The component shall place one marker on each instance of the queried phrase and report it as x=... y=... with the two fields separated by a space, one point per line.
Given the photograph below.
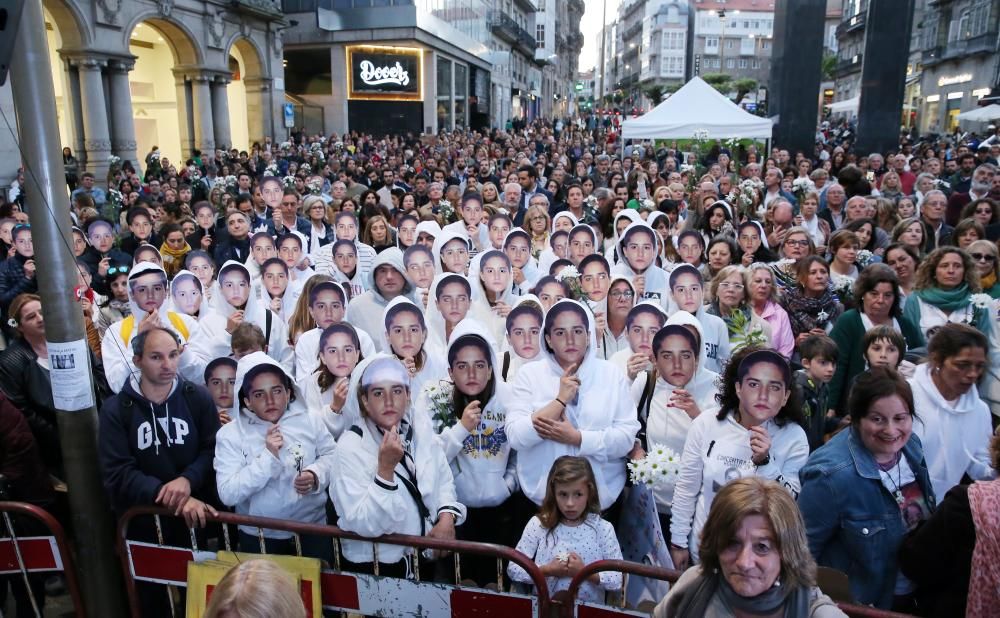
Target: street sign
x=289 y=110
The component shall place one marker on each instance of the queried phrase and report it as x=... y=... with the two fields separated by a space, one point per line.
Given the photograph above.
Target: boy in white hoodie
x=687 y=293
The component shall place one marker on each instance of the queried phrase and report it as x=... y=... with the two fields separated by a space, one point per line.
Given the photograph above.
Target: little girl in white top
x=568 y=533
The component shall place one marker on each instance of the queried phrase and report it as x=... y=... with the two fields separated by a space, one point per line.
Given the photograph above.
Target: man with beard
x=978 y=188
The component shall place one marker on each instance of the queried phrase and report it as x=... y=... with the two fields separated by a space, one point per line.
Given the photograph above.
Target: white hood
x=170 y=305
x=436 y=327
x=441 y=240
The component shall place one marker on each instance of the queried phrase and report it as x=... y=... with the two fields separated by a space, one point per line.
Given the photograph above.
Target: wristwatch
x=766 y=461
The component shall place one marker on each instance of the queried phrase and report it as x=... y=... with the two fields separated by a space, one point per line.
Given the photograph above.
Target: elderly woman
x=812 y=308
x=966 y=232
x=985 y=256
x=955 y=421
x=754 y=560
x=877 y=295
x=762 y=297
x=952 y=557
x=394 y=477
x=571 y=403
x=755 y=433
x=729 y=293
x=866 y=487
x=946 y=281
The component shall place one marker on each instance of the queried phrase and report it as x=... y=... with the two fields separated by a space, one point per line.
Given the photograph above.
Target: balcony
x=848 y=65
x=856 y=22
x=633 y=30
x=260 y=8
x=507 y=29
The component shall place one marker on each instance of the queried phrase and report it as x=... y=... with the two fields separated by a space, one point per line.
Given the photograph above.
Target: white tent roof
x=847 y=105
x=696 y=108
x=981 y=114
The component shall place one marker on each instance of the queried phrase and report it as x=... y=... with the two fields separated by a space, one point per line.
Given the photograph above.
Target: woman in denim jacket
x=866 y=488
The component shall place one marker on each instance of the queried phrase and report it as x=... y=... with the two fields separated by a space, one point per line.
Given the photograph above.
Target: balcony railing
x=856 y=22
x=849 y=65
x=985 y=43
x=507 y=29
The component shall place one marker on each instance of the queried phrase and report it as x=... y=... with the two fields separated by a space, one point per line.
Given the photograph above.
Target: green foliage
x=744 y=86
x=828 y=66
x=654 y=92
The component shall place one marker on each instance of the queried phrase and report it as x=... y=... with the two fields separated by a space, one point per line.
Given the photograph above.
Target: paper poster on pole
x=70 y=375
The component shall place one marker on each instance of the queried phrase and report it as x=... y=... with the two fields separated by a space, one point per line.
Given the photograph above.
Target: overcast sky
x=590 y=26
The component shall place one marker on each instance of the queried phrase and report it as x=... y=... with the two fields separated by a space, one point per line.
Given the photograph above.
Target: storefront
x=951 y=87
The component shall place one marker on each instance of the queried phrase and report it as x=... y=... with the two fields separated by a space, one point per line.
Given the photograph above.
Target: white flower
x=563 y=557
x=660 y=466
x=12 y=323
x=569 y=272
x=685 y=167
x=822 y=316
x=981 y=301
x=296 y=451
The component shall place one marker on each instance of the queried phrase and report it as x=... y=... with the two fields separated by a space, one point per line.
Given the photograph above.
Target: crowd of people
x=469 y=335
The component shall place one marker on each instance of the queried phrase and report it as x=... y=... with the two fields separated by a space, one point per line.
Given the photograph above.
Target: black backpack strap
x=506 y=364
x=268 y=316
x=643 y=408
x=414 y=491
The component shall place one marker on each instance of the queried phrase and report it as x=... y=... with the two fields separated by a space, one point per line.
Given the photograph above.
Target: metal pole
x=600 y=61
x=34 y=102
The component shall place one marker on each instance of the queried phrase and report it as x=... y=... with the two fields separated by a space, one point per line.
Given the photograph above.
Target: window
x=730 y=63
x=730 y=43
x=712 y=42
x=540 y=36
x=765 y=44
x=743 y=63
x=755 y=64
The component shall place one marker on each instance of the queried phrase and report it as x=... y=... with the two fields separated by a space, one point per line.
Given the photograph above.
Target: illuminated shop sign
x=951 y=80
x=377 y=72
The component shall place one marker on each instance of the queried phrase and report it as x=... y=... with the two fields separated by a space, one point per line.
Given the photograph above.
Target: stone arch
x=70 y=23
x=253 y=56
x=249 y=102
x=182 y=42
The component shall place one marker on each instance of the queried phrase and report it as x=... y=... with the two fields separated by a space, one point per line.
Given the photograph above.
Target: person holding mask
x=954 y=422
x=687 y=294
x=524 y=267
x=492 y=282
x=386 y=282
x=220 y=377
x=470 y=430
x=644 y=320
x=17 y=273
x=571 y=403
x=866 y=487
x=327 y=301
x=523 y=342
x=451 y=301
x=946 y=280
x=275 y=459
x=394 y=477
x=672 y=394
x=756 y=432
x=639 y=247
x=754 y=560
x=325 y=389
x=877 y=294
x=406 y=336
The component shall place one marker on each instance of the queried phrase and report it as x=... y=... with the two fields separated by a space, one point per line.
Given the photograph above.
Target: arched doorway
x=246 y=93
x=160 y=49
x=64 y=29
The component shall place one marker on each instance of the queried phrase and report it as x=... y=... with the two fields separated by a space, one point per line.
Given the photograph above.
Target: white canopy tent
x=697 y=109
x=845 y=106
x=981 y=114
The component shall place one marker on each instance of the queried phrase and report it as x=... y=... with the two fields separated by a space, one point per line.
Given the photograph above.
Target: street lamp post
x=722 y=40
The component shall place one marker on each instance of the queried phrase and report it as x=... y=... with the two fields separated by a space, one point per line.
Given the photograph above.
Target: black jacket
x=13 y=281
x=143 y=445
x=27 y=386
x=92 y=258
x=231 y=249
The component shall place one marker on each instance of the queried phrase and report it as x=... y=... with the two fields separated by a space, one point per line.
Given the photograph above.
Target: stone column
x=122 y=123
x=258 y=90
x=74 y=105
x=184 y=116
x=220 y=112
x=201 y=106
x=97 y=141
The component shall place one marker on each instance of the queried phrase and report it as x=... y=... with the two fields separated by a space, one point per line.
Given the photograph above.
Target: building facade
x=735 y=38
x=184 y=76
x=960 y=61
x=558 y=45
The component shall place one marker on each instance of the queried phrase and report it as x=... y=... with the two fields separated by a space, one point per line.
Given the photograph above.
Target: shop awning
x=981 y=114
x=847 y=105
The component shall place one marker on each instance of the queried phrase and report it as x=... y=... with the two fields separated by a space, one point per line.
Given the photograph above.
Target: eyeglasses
x=797 y=243
x=621 y=294
x=983 y=257
x=115 y=270
x=726 y=285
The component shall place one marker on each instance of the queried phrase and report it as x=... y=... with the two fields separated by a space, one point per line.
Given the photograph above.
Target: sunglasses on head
x=116 y=270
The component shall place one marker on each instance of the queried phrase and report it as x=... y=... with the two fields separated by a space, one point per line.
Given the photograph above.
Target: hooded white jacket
x=603 y=412
x=956 y=439
x=116 y=350
x=668 y=425
x=717 y=452
x=219 y=341
x=322 y=259
x=480 y=307
x=372 y=506
x=256 y=482
x=481 y=461
x=657 y=281
x=507 y=354
x=307 y=352
x=365 y=311
x=434 y=367
x=611 y=251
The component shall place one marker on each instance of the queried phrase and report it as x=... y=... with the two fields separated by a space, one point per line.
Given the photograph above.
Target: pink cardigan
x=782 y=339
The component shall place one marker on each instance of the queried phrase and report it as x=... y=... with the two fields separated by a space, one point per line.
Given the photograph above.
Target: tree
x=671 y=88
x=654 y=92
x=720 y=81
x=744 y=86
x=829 y=65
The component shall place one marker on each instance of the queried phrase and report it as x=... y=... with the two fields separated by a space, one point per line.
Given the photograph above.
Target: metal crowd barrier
x=160 y=563
x=578 y=609
x=33 y=554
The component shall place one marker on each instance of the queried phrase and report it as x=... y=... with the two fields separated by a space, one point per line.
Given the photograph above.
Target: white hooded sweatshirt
x=668 y=425
x=603 y=412
x=611 y=253
x=482 y=461
x=434 y=366
x=481 y=308
x=116 y=349
x=657 y=281
x=372 y=506
x=256 y=311
x=254 y=481
x=955 y=437
x=510 y=358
